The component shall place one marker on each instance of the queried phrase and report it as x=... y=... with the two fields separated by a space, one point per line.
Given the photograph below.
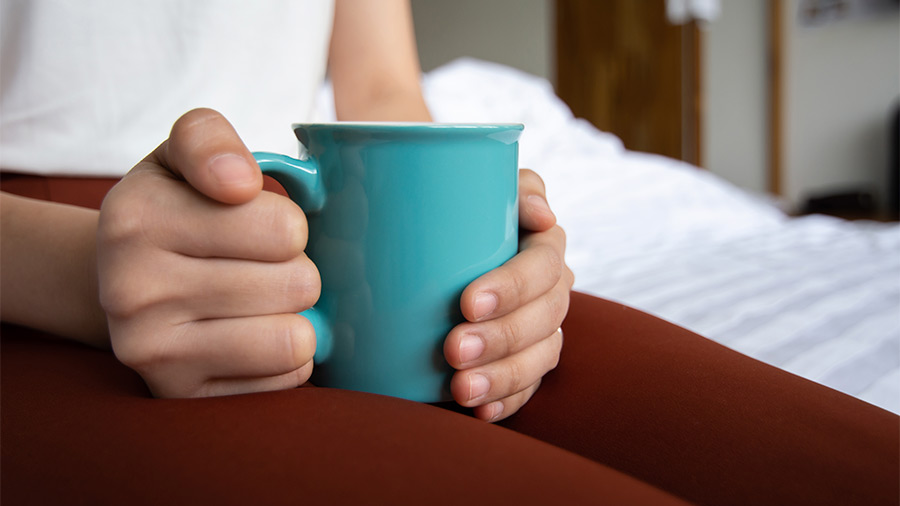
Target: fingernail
x=540 y=205
x=478 y=386
x=485 y=304
x=496 y=410
x=470 y=348
x=231 y=170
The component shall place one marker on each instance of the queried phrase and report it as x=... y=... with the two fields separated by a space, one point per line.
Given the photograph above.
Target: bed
x=814 y=295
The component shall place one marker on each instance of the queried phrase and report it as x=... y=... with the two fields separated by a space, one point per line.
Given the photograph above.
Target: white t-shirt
x=89 y=87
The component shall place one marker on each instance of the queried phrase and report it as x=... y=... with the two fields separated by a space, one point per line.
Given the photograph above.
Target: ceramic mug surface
x=402 y=217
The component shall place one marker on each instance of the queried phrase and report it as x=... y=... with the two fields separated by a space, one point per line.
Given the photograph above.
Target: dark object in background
x=893 y=193
x=852 y=205
x=860 y=204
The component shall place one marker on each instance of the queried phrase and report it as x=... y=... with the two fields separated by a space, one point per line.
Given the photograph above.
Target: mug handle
x=302 y=180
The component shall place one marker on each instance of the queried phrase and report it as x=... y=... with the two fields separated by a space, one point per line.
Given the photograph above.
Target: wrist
x=49 y=265
x=393 y=105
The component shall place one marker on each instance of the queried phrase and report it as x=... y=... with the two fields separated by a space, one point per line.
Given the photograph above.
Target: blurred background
x=793 y=98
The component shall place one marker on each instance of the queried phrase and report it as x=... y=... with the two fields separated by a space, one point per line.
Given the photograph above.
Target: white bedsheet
x=816 y=296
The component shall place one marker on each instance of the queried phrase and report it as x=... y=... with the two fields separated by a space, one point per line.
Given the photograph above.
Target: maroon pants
x=638 y=411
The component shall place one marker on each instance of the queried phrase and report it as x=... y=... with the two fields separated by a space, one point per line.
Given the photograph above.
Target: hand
x=512 y=337
x=201 y=273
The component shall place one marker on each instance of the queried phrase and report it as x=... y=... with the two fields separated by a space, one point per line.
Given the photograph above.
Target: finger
x=196 y=289
x=230 y=386
x=169 y=215
x=534 y=212
x=506 y=407
x=473 y=344
x=534 y=271
x=205 y=150
x=294 y=379
x=216 y=288
x=505 y=377
x=249 y=347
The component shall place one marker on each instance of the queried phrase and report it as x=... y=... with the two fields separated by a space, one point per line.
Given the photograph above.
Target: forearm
x=373 y=62
x=49 y=269
x=397 y=105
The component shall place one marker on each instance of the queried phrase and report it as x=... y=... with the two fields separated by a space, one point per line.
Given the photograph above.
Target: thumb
x=205 y=150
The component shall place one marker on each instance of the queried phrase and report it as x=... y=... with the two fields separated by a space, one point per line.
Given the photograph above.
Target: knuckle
x=122 y=218
x=553 y=260
x=288 y=223
x=298 y=342
x=515 y=375
x=126 y=296
x=509 y=337
x=302 y=284
x=516 y=286
x=142 y=354
x=119 y=301
x=127 y=353
x=555 y=306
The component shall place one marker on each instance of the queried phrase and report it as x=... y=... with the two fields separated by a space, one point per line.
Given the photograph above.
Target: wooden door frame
x=776 y=95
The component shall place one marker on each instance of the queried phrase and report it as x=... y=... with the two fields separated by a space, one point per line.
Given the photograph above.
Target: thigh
x=632 y=393
x=77 y=424
x=704 y=422
x=77 y=191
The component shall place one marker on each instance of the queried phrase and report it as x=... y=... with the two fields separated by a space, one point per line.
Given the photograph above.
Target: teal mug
x=402 y=217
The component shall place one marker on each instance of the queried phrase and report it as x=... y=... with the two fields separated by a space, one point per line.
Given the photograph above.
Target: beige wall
x=734 y=85
x=518 y=33
x=842 y=81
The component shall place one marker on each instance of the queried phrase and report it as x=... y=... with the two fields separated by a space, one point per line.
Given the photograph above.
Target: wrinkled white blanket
x=816 y=296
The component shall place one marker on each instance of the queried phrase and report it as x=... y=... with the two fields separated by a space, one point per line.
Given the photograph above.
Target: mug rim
x=400 y=125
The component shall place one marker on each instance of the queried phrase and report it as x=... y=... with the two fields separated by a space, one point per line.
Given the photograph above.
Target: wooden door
x=625 y=68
